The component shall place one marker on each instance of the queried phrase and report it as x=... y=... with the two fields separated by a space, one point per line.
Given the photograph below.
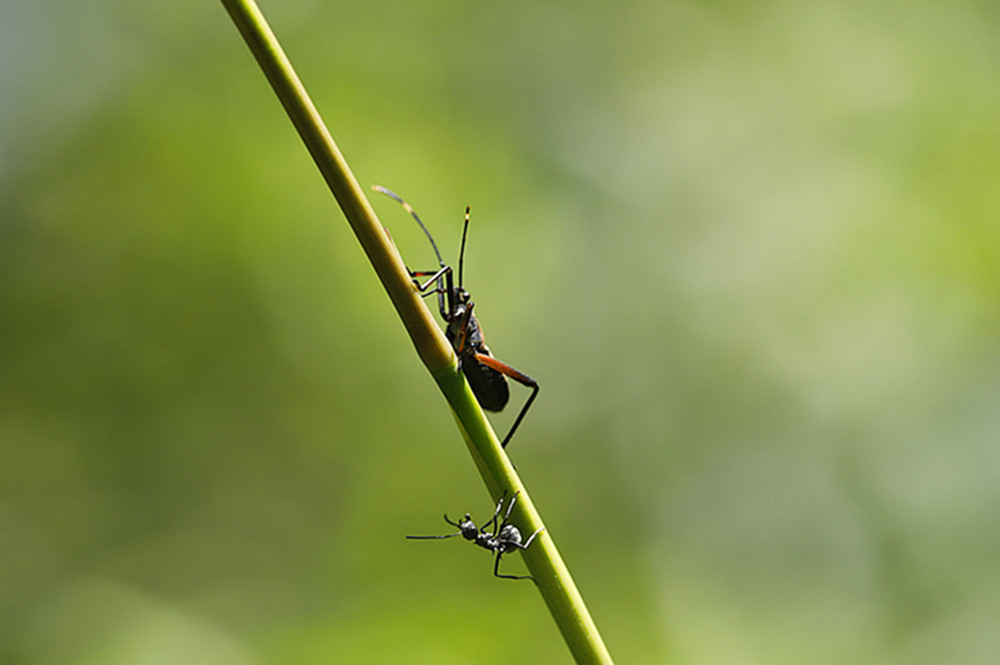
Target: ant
x=486 y=375
x=505 y=537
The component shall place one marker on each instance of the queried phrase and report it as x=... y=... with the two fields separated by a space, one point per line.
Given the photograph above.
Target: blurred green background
x=750 y=251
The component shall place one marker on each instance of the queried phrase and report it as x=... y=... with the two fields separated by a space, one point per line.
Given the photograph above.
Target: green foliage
x=749 y=250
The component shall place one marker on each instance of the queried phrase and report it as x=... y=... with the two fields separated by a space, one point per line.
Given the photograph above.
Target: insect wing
x=488 y=385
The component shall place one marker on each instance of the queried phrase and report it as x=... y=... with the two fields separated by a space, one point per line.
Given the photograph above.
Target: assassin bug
x=505 y=537
x=486 y=375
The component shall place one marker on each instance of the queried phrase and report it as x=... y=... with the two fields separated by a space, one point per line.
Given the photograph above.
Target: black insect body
x=486 y=375
x=504 y=539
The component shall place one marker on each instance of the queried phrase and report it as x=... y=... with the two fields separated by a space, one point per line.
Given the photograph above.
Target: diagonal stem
x=542 y=559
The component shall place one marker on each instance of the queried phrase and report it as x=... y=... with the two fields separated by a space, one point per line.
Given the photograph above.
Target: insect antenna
x=461 y=253
x=406 y=206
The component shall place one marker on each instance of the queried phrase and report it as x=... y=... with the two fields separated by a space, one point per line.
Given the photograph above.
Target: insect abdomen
x=488 y=385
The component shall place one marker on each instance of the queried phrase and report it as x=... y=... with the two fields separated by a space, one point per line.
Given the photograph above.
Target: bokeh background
x=750 y=251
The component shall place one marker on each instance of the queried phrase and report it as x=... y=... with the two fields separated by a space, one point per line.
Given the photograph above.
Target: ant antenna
x=461 y=253
x=406 y=206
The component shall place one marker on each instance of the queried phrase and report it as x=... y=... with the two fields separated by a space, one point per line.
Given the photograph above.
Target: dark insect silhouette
x=486 y=375
x=504 y=539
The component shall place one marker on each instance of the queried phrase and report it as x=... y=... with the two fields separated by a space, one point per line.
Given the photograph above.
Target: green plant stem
x=542 y=559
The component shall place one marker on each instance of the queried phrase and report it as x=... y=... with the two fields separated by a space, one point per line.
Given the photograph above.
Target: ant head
x=469 y=528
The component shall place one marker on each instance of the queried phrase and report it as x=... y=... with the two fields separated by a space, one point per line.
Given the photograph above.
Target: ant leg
x=510 y=507
x=518 y=376
x=494 y=518
x=531 y=538
x=496 y=571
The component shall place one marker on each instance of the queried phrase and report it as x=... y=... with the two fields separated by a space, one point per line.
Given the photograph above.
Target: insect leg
x=434 y=278
x=496 y=571
x=495 y=513
x=510 y=507
x=524 y=546
x=516 y=375
x=463 y=331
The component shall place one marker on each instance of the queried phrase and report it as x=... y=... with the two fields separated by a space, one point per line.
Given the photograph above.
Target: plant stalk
x=542 y=559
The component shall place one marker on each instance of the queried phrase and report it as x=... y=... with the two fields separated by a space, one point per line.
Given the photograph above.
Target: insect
x=505 y=537
x=486 y=375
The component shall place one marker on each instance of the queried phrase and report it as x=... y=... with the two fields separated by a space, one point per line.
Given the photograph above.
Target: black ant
x=505 y=537
x=486 y=375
